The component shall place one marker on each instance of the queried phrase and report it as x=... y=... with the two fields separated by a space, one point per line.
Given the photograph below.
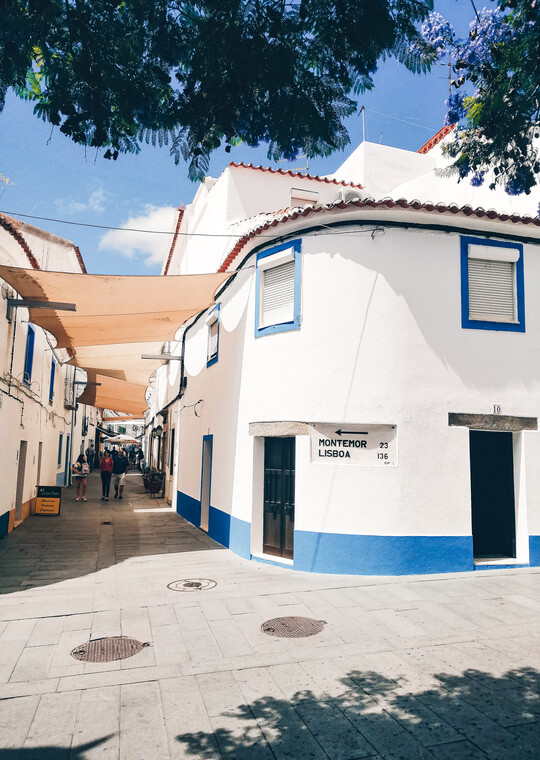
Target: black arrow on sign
x=350 y=432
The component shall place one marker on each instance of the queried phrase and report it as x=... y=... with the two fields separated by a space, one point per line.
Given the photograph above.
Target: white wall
x=381 y=342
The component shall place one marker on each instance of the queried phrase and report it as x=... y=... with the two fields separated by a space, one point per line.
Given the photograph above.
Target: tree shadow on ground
x=470 y=716
x=51 y=752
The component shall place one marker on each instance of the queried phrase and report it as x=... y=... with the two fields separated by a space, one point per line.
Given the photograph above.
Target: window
x=60 y=440
x=492 y=291
x=278 y=289
x=212 y=346
x=29 y=355
x=51 y=384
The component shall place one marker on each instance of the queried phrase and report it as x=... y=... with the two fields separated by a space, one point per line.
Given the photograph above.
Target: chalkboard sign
x=48 y=500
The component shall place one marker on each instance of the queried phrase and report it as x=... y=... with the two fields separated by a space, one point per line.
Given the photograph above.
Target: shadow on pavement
x=93 y=535
x=471 y=716
x=53 y=753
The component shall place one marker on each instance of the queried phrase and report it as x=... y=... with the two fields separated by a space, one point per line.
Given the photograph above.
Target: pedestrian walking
x=80 y=470
x=90 y=456
x=106 y=467
x=120 y=466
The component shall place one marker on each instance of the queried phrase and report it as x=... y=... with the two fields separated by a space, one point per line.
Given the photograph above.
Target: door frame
x=207 y=445
x=21 y=472
x=271 y=430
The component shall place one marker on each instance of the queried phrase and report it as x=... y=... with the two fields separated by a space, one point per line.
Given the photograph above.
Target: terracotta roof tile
x=175 y=238
x=436 y=139
x=290 y=173
x=386 y=203
x=11 y=226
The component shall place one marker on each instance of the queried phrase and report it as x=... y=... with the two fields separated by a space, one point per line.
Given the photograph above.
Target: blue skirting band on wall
x=4 y=524
x=348 y=554
x=534 y=551
x=381 y=555
x=226 y=529
x=189 y=508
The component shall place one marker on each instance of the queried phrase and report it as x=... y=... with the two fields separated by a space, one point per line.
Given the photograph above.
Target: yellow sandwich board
x=48 y=500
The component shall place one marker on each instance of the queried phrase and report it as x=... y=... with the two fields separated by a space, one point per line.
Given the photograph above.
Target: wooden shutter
x=492 y=290
x=278 y=295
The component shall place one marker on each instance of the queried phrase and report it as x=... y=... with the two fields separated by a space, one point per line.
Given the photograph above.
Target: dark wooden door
x=492 y=494
x=278 y=532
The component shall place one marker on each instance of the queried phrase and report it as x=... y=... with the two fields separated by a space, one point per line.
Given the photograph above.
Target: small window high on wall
x=212 y=322
x=278 y=289
x=492 y=286
x=29 y=355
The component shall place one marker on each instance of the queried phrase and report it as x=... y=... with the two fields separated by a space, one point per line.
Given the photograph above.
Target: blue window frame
x=60 y=441
x=277 y=289
x=29 y=355
x=212 y=346
x=51 y=384
x=492 y=285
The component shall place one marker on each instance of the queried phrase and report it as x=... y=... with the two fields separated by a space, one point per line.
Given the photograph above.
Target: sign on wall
x=367 y=445
x=48 y=500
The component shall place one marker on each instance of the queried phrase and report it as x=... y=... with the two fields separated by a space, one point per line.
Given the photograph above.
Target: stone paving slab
x=412 y=668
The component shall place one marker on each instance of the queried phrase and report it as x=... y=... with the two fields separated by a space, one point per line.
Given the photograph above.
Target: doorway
x=279 y=472
x=492 y=494
x=206 y=481
x=20 y=480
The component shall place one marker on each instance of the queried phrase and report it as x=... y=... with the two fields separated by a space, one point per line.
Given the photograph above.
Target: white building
x=42 y=430
x=363 y=397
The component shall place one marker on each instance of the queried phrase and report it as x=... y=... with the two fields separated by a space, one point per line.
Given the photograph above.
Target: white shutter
x=212 y=339
x=492 y=290
x=277 y=295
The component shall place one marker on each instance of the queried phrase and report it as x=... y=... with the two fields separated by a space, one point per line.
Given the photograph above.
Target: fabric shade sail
x=117 y=318
x=114 y=394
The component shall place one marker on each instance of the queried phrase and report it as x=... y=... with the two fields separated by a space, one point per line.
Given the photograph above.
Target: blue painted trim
x=502 y=567
x=67 y=465
x=285 y=326
x=4 y=524
x=225 y=529
x=211 y=439
x=214 y=359
x=188 y=508
x=473 y=324
x=51 y=383
x=381 y=555
x=29 y=355
x=534 y=551
x=60 y=442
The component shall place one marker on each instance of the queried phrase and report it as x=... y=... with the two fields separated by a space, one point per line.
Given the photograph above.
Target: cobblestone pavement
x=425 y=667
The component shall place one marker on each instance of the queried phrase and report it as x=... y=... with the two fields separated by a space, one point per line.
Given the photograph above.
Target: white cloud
x=154 y=248
x=96 y=202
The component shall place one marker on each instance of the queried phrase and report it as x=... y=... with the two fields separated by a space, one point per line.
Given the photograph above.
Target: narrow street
x=444 y=667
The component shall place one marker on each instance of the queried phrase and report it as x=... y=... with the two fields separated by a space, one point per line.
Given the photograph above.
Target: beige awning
x=117 y=318
x=114 y=394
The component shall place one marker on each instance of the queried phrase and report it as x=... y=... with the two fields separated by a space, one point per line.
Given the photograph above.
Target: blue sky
x=52 y=177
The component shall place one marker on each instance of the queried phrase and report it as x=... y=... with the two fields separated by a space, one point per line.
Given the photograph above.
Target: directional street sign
x=367 y=445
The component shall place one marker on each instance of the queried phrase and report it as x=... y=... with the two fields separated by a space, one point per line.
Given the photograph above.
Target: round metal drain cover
x=108 y=649
x=192 y=584
x=293 y=627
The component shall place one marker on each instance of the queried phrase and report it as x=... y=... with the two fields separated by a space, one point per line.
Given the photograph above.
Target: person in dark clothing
x=106 y=467
x=120 y=466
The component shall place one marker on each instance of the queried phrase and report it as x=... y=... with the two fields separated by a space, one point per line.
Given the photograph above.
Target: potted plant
x=155 y=481
x=146 y=477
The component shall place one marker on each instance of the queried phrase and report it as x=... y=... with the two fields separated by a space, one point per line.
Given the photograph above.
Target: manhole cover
x=293 y=627
x=108 y=649
x=192 y=584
